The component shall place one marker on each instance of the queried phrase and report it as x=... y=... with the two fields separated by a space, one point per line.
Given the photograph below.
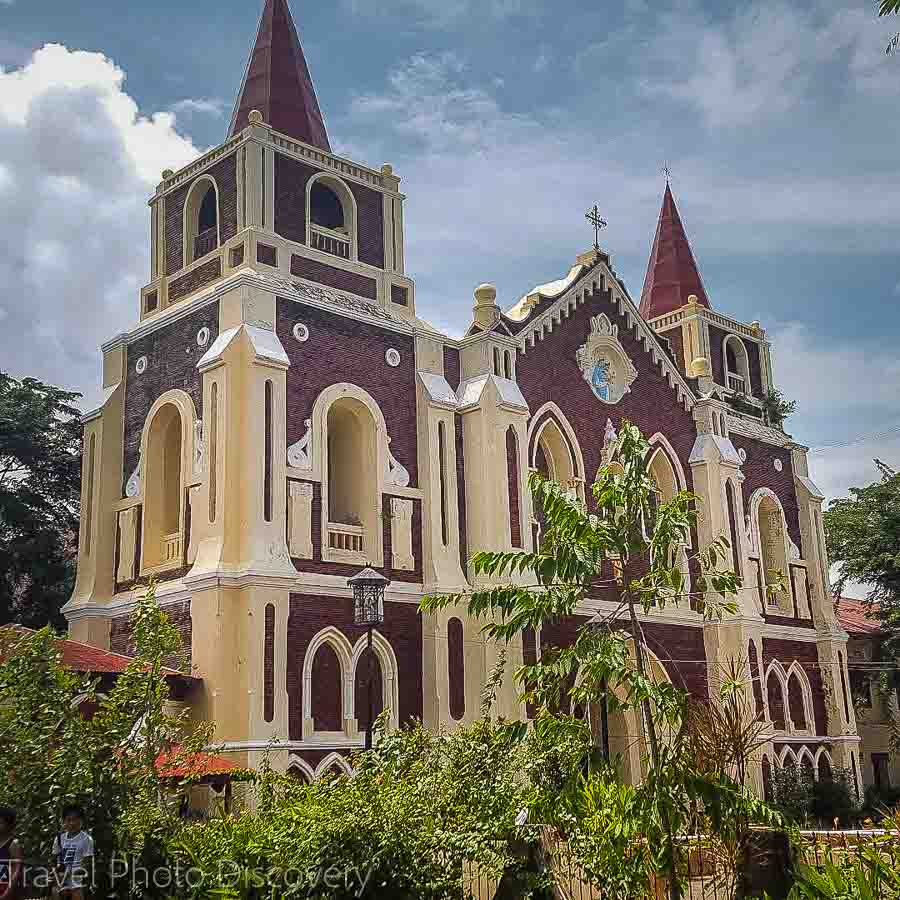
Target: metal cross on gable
x=593 y=216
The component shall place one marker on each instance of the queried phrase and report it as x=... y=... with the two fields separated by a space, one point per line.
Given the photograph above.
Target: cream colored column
x=436 y=406
x=245 y=519
x=812 y=538
x=101 y=489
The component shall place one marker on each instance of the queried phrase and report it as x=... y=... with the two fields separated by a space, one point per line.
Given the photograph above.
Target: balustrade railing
x=206 y=242
x=171 y=548
x=346 y=538
x=329 y=241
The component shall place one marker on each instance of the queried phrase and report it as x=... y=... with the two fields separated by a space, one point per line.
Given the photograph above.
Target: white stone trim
x=334 y=758
x=559 y=417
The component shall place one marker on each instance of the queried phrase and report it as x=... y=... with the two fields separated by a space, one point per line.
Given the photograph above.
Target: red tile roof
x=193 y=765
x=85 y=658
x=856 y=617
x=277 y=82
x=672 y=273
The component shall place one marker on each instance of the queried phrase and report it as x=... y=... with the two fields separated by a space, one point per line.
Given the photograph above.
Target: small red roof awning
x=82 y=657
x=172 y=764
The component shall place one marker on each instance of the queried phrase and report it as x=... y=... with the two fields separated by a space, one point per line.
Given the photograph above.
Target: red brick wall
x=326 y=705
x=807 y=654
x=331 y=276
x=759 y=471
x=549 y=371
x=342 y=349
x=172 y=355
x=179 y=615
x=195 y=279
x=291 y=178
x=402 y=629
x=225 y=175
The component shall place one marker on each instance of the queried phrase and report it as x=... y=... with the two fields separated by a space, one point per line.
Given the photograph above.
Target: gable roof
x=672 y=272
x=857 y=616
x=277 y=82
x=81 y=657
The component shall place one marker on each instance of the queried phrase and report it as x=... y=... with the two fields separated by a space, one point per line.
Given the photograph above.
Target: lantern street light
x=368 y=610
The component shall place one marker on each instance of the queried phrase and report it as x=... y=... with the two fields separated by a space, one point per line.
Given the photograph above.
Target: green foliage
x=419 y=808
x=865 y=871
x=803 y=799
x=776 y=408
x=40 y=473
x=51 y=754
x=863 y=538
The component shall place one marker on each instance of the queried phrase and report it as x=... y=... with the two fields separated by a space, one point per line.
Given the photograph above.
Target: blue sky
x=505 y=119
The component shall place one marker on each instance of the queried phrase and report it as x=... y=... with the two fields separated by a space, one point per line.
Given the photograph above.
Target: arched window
x=662 y=472
x=775 y=697
x=201 y=219
x=824 y=767
x=456 y=668
x=163 y=520
x=332 y=216
x=352 y=481
x=325 y=207
x=796 y=702
x=733 y=526
x=737 y=367
x=753 y=660
x=507 y=364
x=369 y=684
x=553 y=457
x=767 y=778
x=772 y=548
x=512 y=464
x=326 y=683
x=497 y=369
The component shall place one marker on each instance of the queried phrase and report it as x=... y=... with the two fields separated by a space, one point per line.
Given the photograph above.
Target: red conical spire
x=277 y=82
x=672 y=274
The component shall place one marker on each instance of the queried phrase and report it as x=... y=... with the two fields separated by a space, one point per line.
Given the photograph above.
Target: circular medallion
x=742 y=453
x=392 y=357
x=203 y=337
x=301 y=332
x=141 y=365
x=779 y=465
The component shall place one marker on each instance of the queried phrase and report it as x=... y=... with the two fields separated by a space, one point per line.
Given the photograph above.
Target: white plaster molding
x=299 y=454
x=395 y=473
x=604 y=364
x=438 y=390
x=558 y=417
x=133 y=485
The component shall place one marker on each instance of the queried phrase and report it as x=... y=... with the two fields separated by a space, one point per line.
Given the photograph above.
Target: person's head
x=73 y=817
x=7 y=820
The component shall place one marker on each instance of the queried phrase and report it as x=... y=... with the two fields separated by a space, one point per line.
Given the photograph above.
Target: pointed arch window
x=163 y=518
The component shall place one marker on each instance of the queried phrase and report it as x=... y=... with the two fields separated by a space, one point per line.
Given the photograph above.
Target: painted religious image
x=602 y=379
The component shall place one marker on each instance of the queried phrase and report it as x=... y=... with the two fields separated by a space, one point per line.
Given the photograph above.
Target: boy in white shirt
x=74 y=852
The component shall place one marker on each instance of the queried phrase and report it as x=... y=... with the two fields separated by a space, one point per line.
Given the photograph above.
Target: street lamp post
x=368 y=610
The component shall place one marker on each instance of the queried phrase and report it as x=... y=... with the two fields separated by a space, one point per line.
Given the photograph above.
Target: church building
x=279 y=417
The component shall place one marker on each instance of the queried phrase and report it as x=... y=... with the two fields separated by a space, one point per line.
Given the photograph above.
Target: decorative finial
x=593 y=216
x=255 y=117
x=167 y=174
x=667 y=172
x=692 y=300
x=387 y=169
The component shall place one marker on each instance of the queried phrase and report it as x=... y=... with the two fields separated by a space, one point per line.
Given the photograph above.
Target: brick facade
x=172 y=355
x=341 y=349
x=179 y=614
x=291 y=178
x=402 y=629
x=224 y=173
x=331 y=276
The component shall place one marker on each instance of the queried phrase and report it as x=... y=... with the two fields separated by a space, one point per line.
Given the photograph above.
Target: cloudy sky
x=506 y=119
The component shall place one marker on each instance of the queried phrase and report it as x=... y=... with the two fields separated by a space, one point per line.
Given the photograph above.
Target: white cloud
x=209 y=106
x=758 y=64
x=79 y=162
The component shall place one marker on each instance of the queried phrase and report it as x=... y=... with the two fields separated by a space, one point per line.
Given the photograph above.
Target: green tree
x=51 y=753
x=631 y=546
x=40 y=475
x=863 y=539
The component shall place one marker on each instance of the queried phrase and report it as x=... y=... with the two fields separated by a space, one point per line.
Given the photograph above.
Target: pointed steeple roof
x=277 y=82
x=672 y=273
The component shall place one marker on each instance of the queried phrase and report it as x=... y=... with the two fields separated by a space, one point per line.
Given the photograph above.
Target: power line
x=864 y=439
